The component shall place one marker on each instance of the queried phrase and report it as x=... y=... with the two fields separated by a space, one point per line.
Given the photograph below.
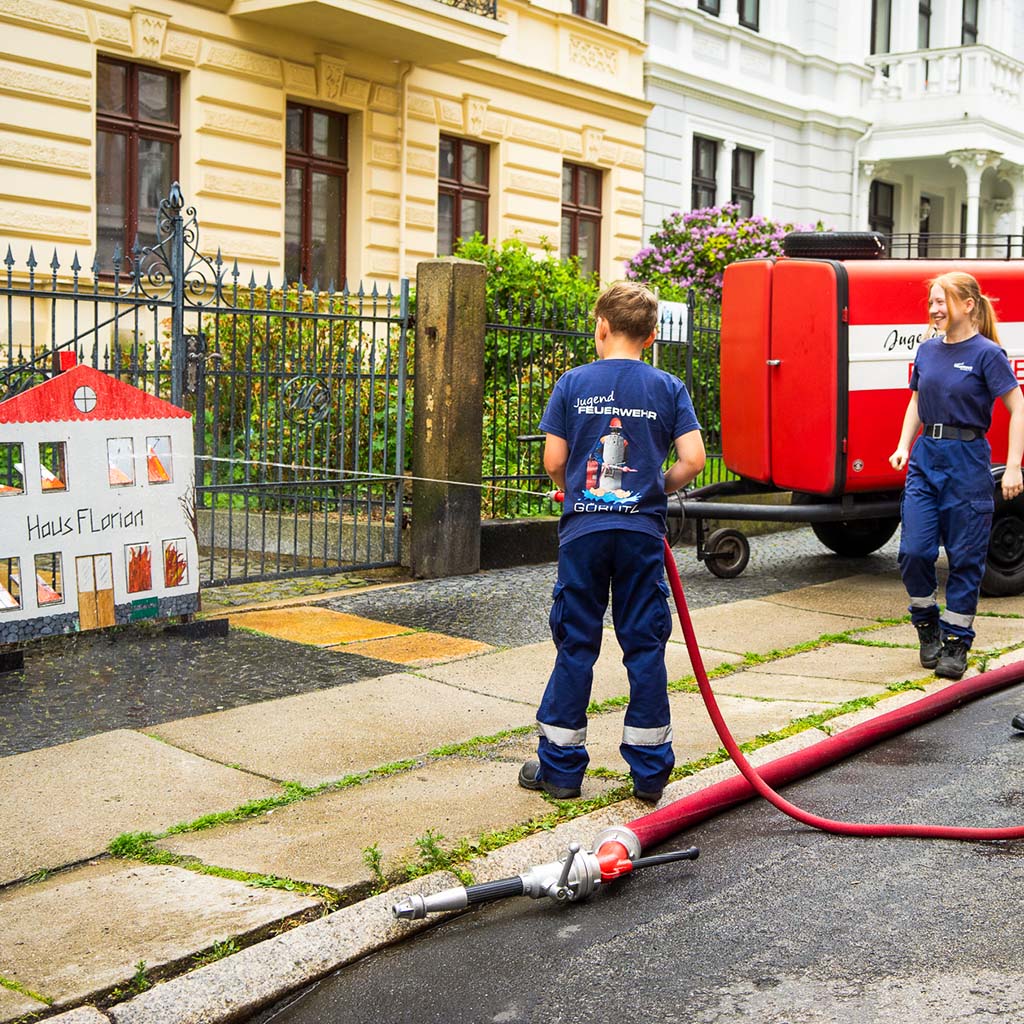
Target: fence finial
x=175 y=199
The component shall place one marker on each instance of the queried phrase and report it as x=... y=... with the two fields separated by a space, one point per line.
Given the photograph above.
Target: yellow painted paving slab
x=418 y=648
x=319 y=627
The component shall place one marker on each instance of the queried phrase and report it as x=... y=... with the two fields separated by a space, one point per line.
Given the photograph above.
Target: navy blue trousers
x=631 y=564
x=948 y=500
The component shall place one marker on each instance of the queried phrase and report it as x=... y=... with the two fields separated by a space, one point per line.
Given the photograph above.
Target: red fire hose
x=658 y=825
x=617 y=849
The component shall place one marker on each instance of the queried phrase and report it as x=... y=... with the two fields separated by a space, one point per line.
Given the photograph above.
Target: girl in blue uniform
x=958 y=373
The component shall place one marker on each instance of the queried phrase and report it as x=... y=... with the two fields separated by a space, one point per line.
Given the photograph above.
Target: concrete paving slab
x=64 y=804
x=876 y=665
x=418 y=648
x=232 y=989
x=868 y=595
x=694 y=735
x=522 y=673
x=760 y=626
x=80 y=1015
x=322 y=840
x=318 y=737
x=319 y=627
x=14 y=1004
x=778 y=686
x=84 y=931
x=992 y=634
x=1013 y=605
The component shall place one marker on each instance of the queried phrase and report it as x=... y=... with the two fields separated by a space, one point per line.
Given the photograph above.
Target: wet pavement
x=510 y=606
x=77 y=686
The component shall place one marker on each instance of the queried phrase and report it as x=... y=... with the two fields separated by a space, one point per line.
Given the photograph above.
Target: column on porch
x=974 y=163
x=723 y=177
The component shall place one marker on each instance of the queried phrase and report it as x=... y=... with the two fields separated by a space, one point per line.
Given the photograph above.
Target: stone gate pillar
x=447 y=439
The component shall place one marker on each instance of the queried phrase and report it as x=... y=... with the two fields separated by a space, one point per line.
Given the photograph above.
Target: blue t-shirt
x=957 y=384
x=620 y=418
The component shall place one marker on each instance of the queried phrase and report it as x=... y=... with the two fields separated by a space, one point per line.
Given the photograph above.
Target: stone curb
x=240 y=985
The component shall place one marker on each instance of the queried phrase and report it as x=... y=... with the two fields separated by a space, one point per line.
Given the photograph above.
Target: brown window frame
x=309 y=163
x=710 y=7
x=134 y=128
x=698 y=182
x=459 y=189
x=578 y=212
x=592 y=10
x=750 y=14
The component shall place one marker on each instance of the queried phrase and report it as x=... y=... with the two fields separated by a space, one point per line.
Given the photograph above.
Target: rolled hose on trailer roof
x=673 y=818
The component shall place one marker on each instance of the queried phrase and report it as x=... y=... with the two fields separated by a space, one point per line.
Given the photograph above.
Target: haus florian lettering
x=85 y=521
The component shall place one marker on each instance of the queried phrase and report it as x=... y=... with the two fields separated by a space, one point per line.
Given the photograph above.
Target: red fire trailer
x=816 y=355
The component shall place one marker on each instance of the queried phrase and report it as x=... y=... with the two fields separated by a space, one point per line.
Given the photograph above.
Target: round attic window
x=84 y=399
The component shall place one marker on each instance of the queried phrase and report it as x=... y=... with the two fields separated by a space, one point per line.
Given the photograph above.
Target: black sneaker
x=952 y=661
x=1018 y=722
x=930 y=638
x=649 y=796
x=529 y=778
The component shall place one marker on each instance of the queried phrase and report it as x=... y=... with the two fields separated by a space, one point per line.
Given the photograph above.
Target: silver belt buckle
x=936 y=431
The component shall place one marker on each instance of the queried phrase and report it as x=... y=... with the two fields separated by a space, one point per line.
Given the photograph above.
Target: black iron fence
x=298 y=395
x=929 y=245
x=530 y=345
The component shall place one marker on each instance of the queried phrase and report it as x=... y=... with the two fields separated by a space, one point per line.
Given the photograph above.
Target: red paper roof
x=53 y=401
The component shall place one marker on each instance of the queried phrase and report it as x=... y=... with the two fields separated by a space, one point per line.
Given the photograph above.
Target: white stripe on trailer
x=881 y=355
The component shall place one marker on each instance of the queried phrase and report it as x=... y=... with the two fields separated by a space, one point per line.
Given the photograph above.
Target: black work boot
x=930 y=639
x=529 y=778
x=953 y=660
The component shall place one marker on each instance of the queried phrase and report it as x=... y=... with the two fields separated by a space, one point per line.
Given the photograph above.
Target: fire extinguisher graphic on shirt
x=606 y=466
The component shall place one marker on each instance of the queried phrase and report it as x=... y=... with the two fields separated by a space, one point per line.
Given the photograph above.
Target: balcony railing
x=954 y=246
x=956 y=71
x=487 y=8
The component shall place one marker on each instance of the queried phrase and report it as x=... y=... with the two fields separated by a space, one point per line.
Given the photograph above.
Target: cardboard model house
x=96 y=507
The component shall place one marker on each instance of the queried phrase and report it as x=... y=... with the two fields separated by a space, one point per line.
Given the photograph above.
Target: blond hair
x=959 y=287
x=630 y=308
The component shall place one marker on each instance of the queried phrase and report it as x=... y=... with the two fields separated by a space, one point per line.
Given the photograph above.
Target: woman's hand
x=1013 y=484
x=899 y=458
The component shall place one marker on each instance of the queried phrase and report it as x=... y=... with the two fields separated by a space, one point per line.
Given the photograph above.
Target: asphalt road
x=775 y=923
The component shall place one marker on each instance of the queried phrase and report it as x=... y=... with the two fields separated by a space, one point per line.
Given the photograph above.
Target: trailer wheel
x=836 y=245
x=726 y=553
x=856 y=538
x=1004 y=566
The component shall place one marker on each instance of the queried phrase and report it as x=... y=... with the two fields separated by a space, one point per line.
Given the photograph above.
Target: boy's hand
x=691 y=458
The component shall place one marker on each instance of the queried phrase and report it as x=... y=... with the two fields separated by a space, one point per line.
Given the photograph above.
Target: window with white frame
x=881 y=25
x=969 y=23
x=743 y=180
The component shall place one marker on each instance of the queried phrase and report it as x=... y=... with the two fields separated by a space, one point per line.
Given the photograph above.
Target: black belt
x=942 y=432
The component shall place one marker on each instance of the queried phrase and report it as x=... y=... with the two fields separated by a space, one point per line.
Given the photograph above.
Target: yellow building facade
x=536 y=92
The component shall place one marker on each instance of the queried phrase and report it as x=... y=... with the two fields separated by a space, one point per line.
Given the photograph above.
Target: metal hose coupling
x=571 y=878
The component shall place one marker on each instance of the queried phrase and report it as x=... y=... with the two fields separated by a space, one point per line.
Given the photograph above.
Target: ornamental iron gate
x=298 y=394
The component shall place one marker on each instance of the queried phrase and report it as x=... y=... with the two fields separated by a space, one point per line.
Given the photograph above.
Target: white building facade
x=903 y=116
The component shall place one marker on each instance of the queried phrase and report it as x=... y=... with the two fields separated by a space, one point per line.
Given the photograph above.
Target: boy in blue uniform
x=609 y=427
x=957 y=376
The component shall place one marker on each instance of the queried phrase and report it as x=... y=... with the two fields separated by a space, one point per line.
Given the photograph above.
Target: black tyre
x=856 y=538
x=726 y=553
x=1004 y=566
x=835 y=245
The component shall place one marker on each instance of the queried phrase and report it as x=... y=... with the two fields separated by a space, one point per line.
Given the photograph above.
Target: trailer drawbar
x=618 y=850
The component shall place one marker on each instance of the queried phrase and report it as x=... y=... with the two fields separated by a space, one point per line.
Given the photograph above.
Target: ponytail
x=987 y=320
